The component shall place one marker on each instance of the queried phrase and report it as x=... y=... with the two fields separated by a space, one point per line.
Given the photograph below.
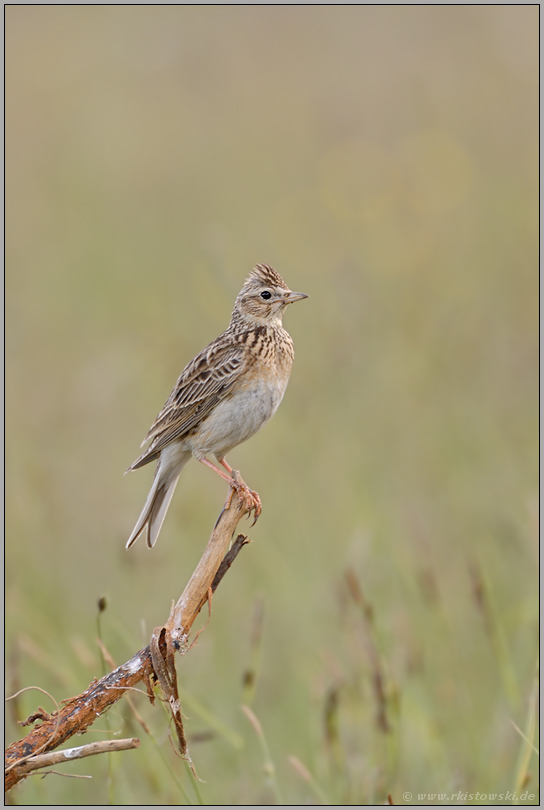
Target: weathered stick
x=81 y=711
x=69 y=754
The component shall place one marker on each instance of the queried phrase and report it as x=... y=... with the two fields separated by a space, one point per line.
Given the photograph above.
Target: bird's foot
x=246 y=496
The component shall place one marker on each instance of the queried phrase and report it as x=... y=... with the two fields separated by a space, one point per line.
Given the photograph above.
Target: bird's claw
x=247 y=496
x=257 y=506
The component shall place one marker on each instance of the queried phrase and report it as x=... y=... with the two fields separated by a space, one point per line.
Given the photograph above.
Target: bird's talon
x=249 y=499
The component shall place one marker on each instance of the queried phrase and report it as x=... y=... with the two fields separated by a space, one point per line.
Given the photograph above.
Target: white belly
x=236 y=419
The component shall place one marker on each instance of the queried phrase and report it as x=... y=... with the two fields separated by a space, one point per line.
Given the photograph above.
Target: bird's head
x=264 y=296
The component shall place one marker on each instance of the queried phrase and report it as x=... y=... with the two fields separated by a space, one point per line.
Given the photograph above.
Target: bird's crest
x=267 y=275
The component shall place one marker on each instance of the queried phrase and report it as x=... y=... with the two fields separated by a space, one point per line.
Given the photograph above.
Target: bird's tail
x=157 y=503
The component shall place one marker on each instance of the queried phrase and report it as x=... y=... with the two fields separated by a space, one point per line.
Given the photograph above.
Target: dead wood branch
x=69 y=754
x=155 y=663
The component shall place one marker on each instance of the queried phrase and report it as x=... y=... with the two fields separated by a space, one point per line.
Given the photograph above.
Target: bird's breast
x=240 y=415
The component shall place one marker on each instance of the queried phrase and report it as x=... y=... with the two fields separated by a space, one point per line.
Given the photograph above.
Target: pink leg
x=226 y=465
x=214 y=468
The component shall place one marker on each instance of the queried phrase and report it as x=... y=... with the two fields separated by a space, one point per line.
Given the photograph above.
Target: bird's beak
x=291 y=297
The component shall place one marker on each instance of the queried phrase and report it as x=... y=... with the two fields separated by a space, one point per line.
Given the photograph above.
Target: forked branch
x=153 y=664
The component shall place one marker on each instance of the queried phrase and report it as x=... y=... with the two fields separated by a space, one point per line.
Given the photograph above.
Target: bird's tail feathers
x=158 y=501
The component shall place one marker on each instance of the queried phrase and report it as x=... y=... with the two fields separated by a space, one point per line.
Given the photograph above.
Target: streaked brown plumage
x=223 y=396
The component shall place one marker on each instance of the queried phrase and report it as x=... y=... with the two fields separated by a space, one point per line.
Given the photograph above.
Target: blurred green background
x=384 y=160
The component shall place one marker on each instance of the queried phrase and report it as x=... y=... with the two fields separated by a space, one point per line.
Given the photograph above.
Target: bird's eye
x=266 y=295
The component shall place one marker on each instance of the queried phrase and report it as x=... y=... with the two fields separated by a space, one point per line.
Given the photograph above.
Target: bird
x=222 y=398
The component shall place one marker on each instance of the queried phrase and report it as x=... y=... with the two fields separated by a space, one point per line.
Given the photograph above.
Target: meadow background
x=384 y=160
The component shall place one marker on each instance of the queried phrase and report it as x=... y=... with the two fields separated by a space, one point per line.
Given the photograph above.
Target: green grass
x=382 y=626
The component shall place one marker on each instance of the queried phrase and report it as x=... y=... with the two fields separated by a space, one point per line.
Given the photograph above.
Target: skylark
x=223 y=396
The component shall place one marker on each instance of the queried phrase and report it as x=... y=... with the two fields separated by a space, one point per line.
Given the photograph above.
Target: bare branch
x=69 y=754
x=154 y=663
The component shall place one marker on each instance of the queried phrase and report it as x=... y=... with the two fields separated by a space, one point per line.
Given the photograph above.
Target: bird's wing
x=203 y=383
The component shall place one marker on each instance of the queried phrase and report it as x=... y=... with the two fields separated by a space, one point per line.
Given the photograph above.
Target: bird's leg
x=214 y=468
x=251 y=498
